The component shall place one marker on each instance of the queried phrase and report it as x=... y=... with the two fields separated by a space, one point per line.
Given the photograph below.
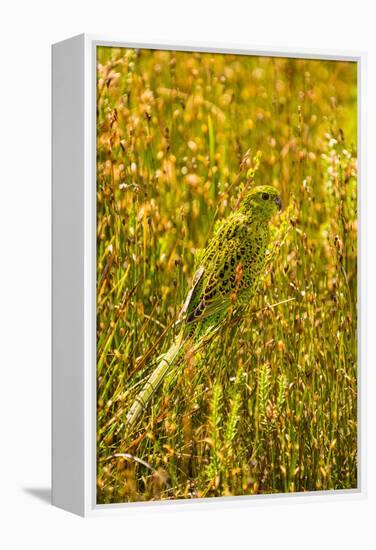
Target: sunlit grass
x=270 y=403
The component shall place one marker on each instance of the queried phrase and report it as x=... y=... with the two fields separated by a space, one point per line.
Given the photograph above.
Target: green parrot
x=228 y=271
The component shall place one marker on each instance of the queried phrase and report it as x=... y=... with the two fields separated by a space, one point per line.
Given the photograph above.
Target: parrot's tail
x=154 y=381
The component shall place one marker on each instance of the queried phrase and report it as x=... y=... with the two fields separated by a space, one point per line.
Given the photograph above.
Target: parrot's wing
x=211 y=293
x=219 y=283
x=204 y=310
x=195 y=308
x=192 y=294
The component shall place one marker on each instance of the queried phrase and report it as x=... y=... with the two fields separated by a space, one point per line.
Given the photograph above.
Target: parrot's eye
x=265 y=196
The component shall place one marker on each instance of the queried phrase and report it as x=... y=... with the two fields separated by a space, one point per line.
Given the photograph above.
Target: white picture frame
x=74 y=278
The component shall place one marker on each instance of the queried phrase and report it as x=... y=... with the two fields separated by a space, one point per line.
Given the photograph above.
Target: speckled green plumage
x=231 y=264
x=228 y=271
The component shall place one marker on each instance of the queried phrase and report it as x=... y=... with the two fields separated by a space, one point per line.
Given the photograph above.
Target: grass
x=270 y=403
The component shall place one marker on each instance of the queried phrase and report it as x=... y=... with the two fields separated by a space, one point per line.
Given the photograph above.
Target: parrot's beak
x=278 y=203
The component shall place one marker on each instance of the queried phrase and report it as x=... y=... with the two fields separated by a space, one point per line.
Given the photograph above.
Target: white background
x=26 y=31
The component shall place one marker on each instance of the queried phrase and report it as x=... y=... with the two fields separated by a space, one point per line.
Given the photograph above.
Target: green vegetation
x=269 y=404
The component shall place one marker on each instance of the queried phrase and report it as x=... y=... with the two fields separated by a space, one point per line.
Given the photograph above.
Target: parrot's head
x=262 y=201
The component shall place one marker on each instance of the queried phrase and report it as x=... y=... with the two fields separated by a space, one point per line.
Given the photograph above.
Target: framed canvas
x=208 y=290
